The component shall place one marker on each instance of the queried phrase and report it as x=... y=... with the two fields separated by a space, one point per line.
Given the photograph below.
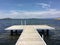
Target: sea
x=7 y=39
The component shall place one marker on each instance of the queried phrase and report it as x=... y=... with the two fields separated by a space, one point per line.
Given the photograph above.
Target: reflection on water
x=7 y=39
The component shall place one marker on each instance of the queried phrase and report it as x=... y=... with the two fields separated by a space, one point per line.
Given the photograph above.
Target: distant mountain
x=7 y=18
x=29 y=18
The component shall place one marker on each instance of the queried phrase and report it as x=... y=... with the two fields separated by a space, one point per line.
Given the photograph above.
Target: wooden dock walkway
x=30 y=36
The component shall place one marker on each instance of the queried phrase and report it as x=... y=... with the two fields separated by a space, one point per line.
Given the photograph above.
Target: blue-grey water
x=7 y=39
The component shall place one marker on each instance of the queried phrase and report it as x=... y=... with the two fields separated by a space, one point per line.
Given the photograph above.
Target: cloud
x=52 y=13
x=44 y=5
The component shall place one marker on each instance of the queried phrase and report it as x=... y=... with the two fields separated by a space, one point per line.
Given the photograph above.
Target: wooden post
x=11 y=32
x=43 y=32
x=16 y=32
x=47 y=32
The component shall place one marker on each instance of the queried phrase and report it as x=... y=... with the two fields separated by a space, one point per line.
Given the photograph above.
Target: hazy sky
x=29 y=8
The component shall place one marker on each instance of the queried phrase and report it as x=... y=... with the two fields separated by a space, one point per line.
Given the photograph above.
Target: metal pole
x=42 y=36
x=25 y=22
x=21 y=22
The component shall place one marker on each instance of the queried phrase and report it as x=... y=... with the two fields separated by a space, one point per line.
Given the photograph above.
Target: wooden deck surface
x=18 y=27
x=30 y=36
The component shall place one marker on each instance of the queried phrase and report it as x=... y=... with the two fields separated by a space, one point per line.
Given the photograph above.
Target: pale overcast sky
x=29 y=8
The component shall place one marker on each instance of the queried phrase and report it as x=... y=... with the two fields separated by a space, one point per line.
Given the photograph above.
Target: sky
x=29 y=9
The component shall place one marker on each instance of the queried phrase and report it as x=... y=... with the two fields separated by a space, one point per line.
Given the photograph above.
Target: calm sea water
x=7 y=39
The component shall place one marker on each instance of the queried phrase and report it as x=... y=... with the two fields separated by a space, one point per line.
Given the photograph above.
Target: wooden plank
x=27 y=38
x=19 y=27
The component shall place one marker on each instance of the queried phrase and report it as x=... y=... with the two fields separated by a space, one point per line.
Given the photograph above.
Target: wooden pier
x=30 y=36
